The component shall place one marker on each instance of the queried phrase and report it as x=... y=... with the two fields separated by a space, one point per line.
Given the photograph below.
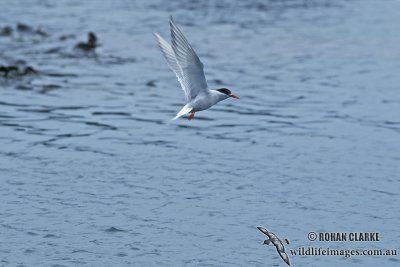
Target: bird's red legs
x=191 y=115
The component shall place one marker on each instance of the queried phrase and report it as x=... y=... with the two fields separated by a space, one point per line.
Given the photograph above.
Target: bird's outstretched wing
x=169 y=55
x=264 y=231
x=284 y=257
x=182 y=59
x=190 y=65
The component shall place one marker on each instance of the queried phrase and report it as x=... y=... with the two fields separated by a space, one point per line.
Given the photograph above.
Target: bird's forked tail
x=185 y=110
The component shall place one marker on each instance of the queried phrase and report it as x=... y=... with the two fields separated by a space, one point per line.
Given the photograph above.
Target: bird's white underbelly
x=202 y=102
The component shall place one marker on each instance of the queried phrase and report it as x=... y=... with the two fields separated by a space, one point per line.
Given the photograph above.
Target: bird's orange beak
x=234 y=96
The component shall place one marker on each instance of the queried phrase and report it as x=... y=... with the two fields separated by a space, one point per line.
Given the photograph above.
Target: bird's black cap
x=224 y=91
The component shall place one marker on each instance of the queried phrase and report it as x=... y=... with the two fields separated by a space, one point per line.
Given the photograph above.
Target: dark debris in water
x=22 y=28
x=25 y=28
x=151 y=83
x=90 y=45
x=6 y=31
x=23 y=42
x=16 y=71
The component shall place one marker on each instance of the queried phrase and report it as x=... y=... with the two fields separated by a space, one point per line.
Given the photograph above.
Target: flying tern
x=189 y=70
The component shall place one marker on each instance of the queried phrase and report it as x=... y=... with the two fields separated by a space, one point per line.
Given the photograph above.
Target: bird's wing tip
x=157 y=35
x=172 y=22
x=262 y=229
